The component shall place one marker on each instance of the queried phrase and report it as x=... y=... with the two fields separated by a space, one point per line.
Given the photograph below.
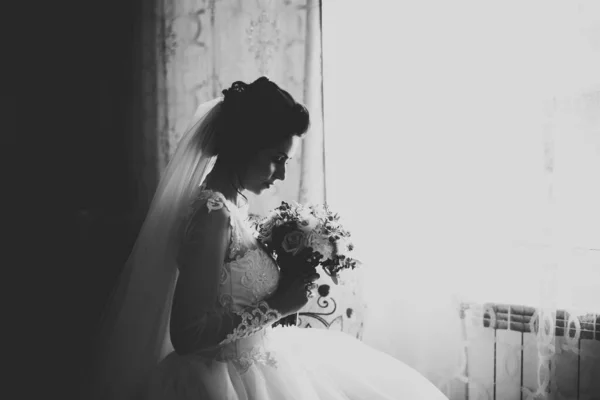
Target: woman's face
x=269 y=165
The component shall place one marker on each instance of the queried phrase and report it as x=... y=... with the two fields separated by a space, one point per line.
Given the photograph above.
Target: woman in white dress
x=191 y=317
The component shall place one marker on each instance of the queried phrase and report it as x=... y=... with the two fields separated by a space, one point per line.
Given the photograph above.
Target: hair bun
x=241 y=89
x=255 y=115
x=238 y=88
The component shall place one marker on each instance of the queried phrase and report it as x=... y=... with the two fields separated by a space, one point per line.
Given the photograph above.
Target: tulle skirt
x=293 y=364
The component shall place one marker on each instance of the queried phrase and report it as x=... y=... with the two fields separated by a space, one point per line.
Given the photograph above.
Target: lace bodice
x=247 y=276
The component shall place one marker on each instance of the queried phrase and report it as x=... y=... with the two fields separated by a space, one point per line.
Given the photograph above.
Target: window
x=441 y=119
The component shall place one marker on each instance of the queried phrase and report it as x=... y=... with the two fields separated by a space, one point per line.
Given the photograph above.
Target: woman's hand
x=292 y=293
x=303 y=263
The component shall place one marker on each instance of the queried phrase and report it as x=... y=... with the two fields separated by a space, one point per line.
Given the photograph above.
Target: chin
x=257 y=189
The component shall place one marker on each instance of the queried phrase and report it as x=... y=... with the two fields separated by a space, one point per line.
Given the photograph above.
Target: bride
x=191 y=316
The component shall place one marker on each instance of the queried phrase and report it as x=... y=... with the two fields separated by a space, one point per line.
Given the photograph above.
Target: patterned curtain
x=194 y=49
x=211 y=44
x=191 y=50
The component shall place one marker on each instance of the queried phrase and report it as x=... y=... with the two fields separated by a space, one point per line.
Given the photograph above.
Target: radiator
x=507 y=356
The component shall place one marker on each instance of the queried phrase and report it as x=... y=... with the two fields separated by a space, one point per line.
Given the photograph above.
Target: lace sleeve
x=198 y=320
x=253 y=319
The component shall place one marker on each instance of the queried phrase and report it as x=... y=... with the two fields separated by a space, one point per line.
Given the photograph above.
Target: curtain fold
x=341 y=306
x=312 y=175
x=147 y=116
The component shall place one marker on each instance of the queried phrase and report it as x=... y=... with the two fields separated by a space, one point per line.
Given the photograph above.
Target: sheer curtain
x=462 y=148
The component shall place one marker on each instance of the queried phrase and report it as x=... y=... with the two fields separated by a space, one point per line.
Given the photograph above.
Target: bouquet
x=313 y=233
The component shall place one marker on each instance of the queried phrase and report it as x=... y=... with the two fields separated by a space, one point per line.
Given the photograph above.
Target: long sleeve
x=201 y=318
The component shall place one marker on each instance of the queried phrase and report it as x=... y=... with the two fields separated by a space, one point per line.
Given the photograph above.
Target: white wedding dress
x=265 y=363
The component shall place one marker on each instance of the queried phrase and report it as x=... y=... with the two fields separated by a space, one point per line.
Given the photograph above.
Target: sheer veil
x=134 y=334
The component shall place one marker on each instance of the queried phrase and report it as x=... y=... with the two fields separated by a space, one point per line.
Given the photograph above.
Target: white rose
x=319 y=243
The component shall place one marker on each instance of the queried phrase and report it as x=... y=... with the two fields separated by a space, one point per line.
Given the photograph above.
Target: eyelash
x=280 y=160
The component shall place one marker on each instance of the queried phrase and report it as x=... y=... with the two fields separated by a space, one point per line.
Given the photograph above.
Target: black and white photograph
x=316 y=200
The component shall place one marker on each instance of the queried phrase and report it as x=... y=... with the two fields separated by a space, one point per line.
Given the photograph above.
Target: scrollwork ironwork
x=322 y=302
x=329 y=308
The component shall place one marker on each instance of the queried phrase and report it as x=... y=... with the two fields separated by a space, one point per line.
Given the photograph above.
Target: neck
x=222 y=179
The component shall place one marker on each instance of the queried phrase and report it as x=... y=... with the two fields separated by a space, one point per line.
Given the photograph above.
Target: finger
x=312 y=277
x=298 y=284
x=306 y=253
x=309 y=271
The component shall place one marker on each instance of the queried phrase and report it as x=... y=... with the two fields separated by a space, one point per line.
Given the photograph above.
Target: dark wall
x=101 y=90
x=81 y=73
